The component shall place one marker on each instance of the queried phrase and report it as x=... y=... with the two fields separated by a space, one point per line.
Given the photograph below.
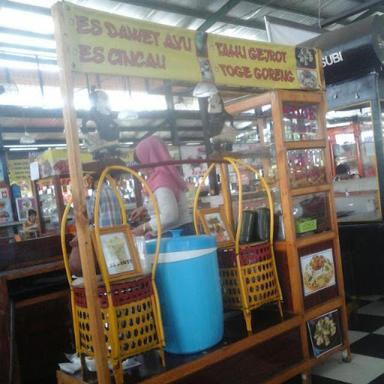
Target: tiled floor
x=366 y=335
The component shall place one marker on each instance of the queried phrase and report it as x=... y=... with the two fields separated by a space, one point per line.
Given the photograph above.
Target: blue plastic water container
x=188 y=284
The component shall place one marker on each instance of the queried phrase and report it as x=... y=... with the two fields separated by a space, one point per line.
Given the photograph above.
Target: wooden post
x=80 y=213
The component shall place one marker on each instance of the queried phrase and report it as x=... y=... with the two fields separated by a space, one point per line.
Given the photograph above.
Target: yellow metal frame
x=246 y=307
x=69 y=275
x=110 y=311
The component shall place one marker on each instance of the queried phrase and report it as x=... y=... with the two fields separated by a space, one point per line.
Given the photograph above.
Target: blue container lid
x=178 y=243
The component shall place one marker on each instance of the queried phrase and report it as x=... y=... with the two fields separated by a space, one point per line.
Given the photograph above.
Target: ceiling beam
x=27 y=58
x=21 y=32
x=215 y=17
x=52 y=142
x=365 y=14
x=205 y=15
x=353 y=11
x=185 y=11
x=166 y=7
x=27 y=47
x=40 y=113
x=296 y=10
x=42 y=129
x=22 y=129
x=47 y=141
x=26 y=7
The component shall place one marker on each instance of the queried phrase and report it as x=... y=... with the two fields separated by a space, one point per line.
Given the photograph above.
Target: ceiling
x=31 y=100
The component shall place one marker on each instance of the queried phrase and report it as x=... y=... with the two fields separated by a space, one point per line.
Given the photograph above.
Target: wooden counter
x=32 y=288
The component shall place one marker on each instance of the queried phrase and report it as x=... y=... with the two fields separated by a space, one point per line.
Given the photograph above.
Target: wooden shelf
x=287 y=374
x=181 y=371
x=224 y=353
x=33 y=270
x=324 y=308
x=281 y=245
x=315 y=239
x=309 y=144
x=309 y=190
x=43 y=298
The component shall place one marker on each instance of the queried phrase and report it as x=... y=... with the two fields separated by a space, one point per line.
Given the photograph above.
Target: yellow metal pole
x=69 y=275
x=243 y=291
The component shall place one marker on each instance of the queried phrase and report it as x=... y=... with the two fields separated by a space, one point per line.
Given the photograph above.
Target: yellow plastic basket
x=129 y=307
x=257 y=271
x=248 y=272
x=133 y=303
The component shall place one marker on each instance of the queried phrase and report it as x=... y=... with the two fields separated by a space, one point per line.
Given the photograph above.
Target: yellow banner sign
x=245 y=63
x=105 y=43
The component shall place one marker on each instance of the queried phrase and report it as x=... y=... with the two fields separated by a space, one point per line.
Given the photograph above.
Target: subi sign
x=333 y=58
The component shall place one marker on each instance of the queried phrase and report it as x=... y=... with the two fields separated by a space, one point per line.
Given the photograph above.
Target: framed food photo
x=317 y=271
x=325 y=333
x=118 y=251
x=214 y=222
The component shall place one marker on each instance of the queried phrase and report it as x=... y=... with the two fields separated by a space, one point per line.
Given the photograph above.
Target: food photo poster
x=325 y=332
x=317 y=271
x=117 y=254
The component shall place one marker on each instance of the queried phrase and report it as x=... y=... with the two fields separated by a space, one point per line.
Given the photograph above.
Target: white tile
x=380 y=331
x=375 y=308
x=361 y=370
x=370 y=297
x=357 y=335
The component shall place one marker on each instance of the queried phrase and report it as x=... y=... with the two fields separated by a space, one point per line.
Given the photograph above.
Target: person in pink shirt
x=169 y=189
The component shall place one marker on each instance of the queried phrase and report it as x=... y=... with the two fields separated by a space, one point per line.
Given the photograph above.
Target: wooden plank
x=224 y=353
x=23 y=254
x=314 y=239
x=41 y=298
x=280 y=246
x=248 y=103
x=64 y=378
x=300 y=96
x=33 y=270
x=288 y=374
x=78 y=197
x=308 y=190
x=309 y=144
x=324 y=308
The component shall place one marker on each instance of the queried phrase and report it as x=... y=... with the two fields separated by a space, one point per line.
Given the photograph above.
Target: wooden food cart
x=90 y=42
